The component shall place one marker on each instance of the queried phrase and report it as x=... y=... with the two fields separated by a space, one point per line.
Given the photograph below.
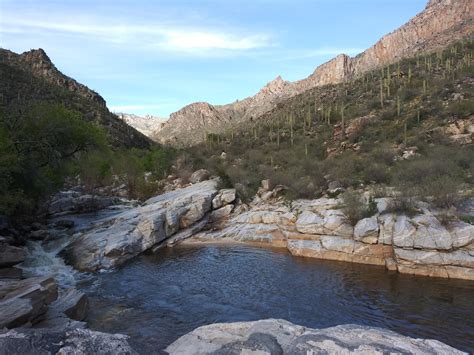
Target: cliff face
x=31 y=76
x=441 y=23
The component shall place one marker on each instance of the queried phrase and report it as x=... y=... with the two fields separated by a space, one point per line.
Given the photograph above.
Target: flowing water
x=157 y=298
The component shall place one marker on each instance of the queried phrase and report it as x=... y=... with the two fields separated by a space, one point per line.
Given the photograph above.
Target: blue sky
x=155 y=57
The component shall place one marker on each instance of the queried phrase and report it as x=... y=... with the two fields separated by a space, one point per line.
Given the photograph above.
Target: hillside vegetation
x=41 y=144
x=407 y=125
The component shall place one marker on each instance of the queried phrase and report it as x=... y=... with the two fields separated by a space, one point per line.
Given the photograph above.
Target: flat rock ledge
x=274 y=337
x=418 y=245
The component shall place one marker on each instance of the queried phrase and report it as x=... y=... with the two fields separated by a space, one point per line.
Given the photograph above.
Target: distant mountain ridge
x=145 y=124
x=32 y=77
x=442 y=22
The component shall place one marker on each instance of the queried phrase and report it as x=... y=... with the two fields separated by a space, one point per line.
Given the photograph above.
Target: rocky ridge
x=32 y=76
x=441 y=23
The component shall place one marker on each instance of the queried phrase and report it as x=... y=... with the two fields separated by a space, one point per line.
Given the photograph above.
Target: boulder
x=199 y=176
x=367 y=230
x=274 y=336
x=422 y=232
x=221 y=213
x=224 y=197
x=62 y=342
x=73 y=303
x=10 y=255
x=126 y=235
x=326 y=222
x=25 y=302
x=462 y=234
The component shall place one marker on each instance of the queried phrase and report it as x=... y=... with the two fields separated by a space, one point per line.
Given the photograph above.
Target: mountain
x=442 y=22
x=145 y=124
x=31 y=77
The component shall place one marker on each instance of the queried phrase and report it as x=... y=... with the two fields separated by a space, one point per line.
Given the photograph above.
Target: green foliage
x=36 y=142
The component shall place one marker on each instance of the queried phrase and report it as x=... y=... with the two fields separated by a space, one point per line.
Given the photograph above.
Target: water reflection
x=158 y=298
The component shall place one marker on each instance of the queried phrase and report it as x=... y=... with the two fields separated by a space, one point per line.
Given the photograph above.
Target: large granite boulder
x=25 y=302
x=130 y=233
x=272 y=337
x=62 y=342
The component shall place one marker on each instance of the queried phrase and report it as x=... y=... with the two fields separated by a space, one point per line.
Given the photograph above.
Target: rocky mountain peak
x=441 y=23
x=40 y=65
x=36 y=56
x=275 y=86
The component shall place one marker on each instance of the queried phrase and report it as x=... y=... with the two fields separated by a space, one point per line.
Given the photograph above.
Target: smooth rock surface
x=273 y=336
x=130 y=233
x=367 y=230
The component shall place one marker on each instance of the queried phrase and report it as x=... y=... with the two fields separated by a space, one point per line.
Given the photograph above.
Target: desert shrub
x=402 y=204
x=436 y=178
x=461 y=109
x=94 y=169
x=355 y=208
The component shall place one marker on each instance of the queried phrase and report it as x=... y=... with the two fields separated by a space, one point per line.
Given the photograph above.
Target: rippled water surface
x=157 y=298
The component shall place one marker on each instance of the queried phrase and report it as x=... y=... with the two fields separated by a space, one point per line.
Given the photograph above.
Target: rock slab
x=273 y=336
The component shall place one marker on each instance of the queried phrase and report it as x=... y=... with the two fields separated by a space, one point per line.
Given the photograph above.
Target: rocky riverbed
x=89 y=233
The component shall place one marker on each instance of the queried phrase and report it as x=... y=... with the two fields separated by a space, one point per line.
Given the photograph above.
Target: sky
x=154 y=57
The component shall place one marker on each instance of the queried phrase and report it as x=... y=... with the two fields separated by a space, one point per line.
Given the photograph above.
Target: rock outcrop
x=175 y=214
x=441 y=23
x=273 y=336
x=418 y=245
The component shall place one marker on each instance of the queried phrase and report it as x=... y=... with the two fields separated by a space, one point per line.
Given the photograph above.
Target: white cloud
x=151 y=36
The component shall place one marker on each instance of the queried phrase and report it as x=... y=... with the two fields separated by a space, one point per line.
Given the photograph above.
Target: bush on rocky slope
x=393 y=126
